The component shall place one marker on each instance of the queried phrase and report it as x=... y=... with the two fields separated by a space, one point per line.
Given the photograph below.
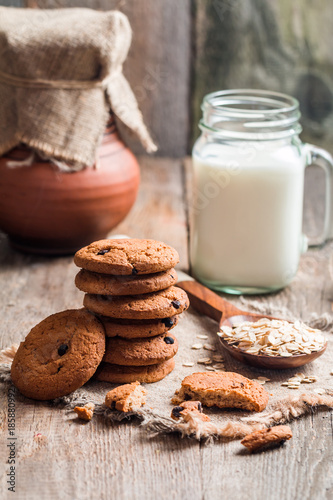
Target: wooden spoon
x=226 y=314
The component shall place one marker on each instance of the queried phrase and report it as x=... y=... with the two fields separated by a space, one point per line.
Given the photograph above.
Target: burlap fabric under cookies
x=60 y=72
x=284 y=404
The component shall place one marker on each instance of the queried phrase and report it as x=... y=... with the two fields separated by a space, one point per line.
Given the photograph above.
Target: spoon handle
x=207 y=302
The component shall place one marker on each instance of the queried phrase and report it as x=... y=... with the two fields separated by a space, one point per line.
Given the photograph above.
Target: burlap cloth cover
x=284 y=404
x=60 y=72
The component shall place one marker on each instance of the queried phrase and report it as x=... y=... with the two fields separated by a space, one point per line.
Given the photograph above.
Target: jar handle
x=326 y=163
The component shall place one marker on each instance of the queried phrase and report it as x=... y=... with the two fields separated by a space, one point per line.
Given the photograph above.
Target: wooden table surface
x=57 y=458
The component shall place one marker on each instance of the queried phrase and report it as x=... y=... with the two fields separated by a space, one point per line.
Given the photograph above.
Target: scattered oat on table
x=298 y=379
x=262 y=382
x=188 y=363
x=197 y=346
x=274 y=337
x=202 y=337
x=209 y=347
x=204 y=361
x=319 y=391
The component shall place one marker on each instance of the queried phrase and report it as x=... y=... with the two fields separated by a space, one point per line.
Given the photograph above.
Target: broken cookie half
x=126 y=398
x=224 y=390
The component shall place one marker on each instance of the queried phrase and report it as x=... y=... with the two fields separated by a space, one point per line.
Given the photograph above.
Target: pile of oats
x=274 y=337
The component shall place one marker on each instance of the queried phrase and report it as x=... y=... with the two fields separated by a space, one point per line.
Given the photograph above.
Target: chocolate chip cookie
x=140 y=352
x=106 y=284
x=162 y=304
x=126 y=257
x=117 y=374
x=139 y=328
x=59 y=355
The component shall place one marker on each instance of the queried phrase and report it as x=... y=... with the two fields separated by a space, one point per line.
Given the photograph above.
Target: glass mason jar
x=248 y=181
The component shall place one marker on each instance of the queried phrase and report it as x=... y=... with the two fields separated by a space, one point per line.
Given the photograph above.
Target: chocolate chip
x=113 y=405
x=187 y=397
x=169 y=340
x=176 y=304
x=176 y=411
x=62 y=349
x=102 y=252
x=134 y=271
x=167 y=322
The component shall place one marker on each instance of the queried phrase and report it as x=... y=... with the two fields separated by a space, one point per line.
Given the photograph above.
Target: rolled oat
x=274 y=337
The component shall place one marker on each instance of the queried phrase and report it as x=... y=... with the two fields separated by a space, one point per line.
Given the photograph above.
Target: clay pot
x=46 y=211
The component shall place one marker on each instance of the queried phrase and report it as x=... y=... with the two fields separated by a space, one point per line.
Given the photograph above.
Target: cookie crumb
x=188 y=409
x=85 y=412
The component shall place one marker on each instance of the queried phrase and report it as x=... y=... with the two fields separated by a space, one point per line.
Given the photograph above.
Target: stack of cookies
x=129 y=285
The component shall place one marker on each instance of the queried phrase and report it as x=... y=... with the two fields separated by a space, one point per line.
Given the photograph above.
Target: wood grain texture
x=208 y=303
x=12 y=3
x=59 y=458
x=70 y=460
x=268 y=44
x=157 y=67
x=161 y=195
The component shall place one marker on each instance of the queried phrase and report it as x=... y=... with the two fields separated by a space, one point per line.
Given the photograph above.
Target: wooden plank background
x=269 y=44
x=181 y=50
x=61 y=458
x=158 y=65
x=184 y=49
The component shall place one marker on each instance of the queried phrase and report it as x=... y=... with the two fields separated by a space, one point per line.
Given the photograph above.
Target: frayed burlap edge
x=281 y=412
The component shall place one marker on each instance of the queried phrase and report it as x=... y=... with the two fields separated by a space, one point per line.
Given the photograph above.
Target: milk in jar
x=247 y=192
